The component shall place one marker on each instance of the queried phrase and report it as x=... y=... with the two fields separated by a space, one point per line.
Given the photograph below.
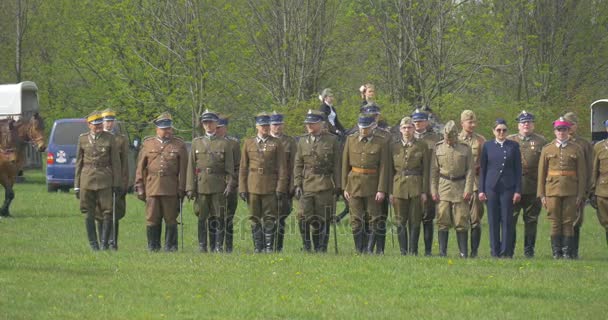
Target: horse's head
x=33 y=131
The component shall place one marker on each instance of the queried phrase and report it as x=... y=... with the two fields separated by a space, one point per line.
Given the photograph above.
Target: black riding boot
x=414 y=236
x=229 y=235
x=359 y=238
x=153 y=233
x=402 y=238
x=568 y=247
x=371 y=242
x=99 y=224
x=305 y=233
x=281 y=234
x=211 y=230
x=475 y=239
x=442 y=236
x=114 y=237
x=219 y=236
x=258 y=238
x=269 y=238
x=574 y=244
x=529 y=240
x=556 y=247
x=323 y=237
x=171 y=237
x=463 y=238
x=202 y=235
x=316 y=237
x=427 y=230
x=380 y=242
x=106 y=230
x=89 y=224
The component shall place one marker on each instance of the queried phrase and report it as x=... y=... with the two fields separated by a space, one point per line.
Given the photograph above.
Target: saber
x=335 y=222
x=277 y=226
x=114 y=218
x=390 y=213
x=181 y=221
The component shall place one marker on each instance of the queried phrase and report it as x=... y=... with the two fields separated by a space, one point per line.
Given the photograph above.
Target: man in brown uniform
x=263 y=183
x=599 y=179
x=289 y=146
x=109 y=122
x=561 y=187
x=410 y=182
x=530 y=145
x=209 y=182
x=424 y=132
x=317 y=181
x=475 y=141
x=232 y=198
x=452 y=180
x=365 y=175
x=97 y=176
x=587 y=149
x=160 y=181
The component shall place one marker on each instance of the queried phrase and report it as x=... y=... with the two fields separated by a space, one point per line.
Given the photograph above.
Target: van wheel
x=51 y=188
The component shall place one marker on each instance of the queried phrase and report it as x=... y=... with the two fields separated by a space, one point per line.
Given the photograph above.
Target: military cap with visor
x=163 y=121
x=95 y=118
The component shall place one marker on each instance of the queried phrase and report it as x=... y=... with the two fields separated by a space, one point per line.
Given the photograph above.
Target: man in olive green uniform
x=109 y=125
x=232 y=198
x=530 y=145
x=475 y=141
x=263 y=183
x=97 y=177
x=365 y=175
x=561 y=187
x=424 y=132
x=317 y=181
x=209 y=182
x=599 y=179
x=160 y=181
x=289 y=146
x=410 y=182
x=452 y=180
x=587 y=149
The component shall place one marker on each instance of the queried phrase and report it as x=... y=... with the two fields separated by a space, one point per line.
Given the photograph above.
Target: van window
x=67 y=133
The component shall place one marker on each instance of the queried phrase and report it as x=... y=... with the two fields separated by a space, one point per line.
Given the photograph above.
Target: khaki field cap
x=467 y=115
x=571 y=117
x=406 y=121
x=450 y=128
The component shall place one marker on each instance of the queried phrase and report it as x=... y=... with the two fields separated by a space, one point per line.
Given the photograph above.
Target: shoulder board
x=149 y=137
x=512 y=136
x=439 y=142
x=232 y=138
x=197 y=138
x=178 y=138
x=84 y=134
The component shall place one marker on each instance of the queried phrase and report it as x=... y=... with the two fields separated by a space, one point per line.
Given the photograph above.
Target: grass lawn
x=47 y=271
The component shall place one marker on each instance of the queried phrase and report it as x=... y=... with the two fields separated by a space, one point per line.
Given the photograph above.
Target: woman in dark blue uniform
x=500 y=186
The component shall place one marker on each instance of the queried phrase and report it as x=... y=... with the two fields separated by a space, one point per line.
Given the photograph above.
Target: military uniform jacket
x=161 y=167
x=263 y=167
x=452 y=171
x=97 y=162
x=372 y=157
x=235 y=147
x=599 y=177
x=530 y=148
x=587 y=149
x=123 y=147
x=289 y=146
x=318 y=163
x=210 y=165
x=410 y=168
x=561 y=171
x=475 y=141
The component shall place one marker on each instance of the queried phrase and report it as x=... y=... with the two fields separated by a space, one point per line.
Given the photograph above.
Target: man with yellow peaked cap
x=160 y=181
x=475 y=141
x=209 y=182
x=97 y=176
x=263 y=182
x=587 y=149
x=530 y=144
x=365 y=168
x=409 y=184
x=561 y=186
x=452 y=180
x=232 y=198
x=317 y=181
x=425 y=133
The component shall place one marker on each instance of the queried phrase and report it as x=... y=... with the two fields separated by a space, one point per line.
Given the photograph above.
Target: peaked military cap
x=163 y=121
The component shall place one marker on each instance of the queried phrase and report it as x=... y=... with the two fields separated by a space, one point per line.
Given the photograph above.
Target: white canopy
x=17 y=99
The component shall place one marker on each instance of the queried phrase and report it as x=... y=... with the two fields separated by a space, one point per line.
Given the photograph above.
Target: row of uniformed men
x=273 y=168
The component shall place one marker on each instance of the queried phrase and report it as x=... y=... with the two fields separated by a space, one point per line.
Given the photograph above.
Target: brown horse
x=14 y=136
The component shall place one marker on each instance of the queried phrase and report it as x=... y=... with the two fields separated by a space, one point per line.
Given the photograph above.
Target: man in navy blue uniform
x=500 y=186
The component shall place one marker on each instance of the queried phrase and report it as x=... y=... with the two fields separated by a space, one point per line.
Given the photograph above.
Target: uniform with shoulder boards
x=97 y=176
x=232 y=198
x=160 y=181
x=599 y=179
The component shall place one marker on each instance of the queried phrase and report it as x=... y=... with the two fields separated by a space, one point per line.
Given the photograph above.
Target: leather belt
x=411 y=172
x=364 y=170
x=210 y=170
x=96 y=165
x=319 y=171
x=158 y=174
x=262 y=171
x=451 y=178
x=569 y=173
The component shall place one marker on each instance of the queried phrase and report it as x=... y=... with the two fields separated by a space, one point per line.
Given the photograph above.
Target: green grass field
x=47 y=271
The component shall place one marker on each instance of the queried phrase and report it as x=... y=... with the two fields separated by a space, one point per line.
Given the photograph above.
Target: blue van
x=61 y=153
